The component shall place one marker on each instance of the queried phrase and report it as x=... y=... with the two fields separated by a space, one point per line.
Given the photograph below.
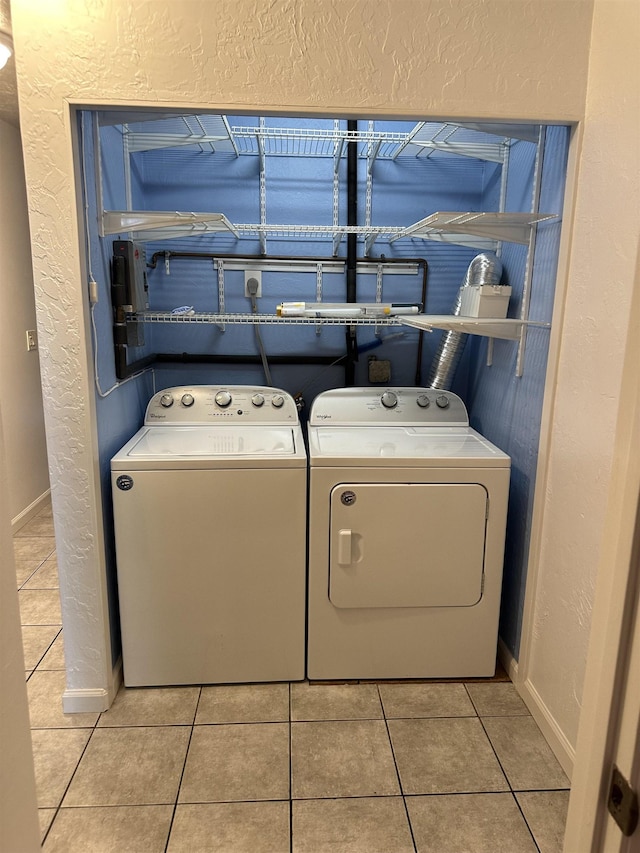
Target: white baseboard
x=83 y=701
x=93 y=700
x=32 y=510
x=553 y=734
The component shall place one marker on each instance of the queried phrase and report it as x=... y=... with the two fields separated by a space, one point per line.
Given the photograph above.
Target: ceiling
x=8 y=87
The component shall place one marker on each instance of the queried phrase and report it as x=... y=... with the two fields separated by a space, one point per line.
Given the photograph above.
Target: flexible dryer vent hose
x=485 y=268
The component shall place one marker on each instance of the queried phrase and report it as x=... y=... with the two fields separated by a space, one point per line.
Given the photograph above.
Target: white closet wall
x=27 y=472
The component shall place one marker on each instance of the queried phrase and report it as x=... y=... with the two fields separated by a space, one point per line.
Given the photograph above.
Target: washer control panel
x=400 y=406
x=209 y=404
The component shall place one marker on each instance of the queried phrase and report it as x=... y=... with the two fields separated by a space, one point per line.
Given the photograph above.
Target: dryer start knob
x=442 y=401
x=389 y=400
x=166 y=400
x=277 y=401
x=223 y=399
x=423 y=401
x=187 y=400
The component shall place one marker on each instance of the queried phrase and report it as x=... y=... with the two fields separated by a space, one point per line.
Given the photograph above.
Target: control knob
x=442 y=401
x=187 y=400
x=166 y=400
x=258 y=400
x=277 y=401
x=389 y=399
x=423 y=401
x=223 y=399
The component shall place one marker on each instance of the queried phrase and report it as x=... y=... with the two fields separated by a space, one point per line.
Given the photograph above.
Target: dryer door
x=407 y=544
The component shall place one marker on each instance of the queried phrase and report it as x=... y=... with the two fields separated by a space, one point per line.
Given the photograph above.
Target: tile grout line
x=395 y=764
x=513 y=794
x=493 y=749
x=64 y=794
x=504 y=772
x=290 y=773
x=486 y=733
x=184 y=766
x=44 y=654
x=37 y=569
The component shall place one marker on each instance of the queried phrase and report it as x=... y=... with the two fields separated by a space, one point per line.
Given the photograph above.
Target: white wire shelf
x=213 y=133
x=164 y=224
x=512 y=227
x=494 y=153
x=252 y=319
x=320 y=230
x=475 y=230
x=505 y=329
x=509 y=329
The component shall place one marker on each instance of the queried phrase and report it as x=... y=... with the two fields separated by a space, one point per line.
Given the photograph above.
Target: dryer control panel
x=388 y=406
x=197 y=405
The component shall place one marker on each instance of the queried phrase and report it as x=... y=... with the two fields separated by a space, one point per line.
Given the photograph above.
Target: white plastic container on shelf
x=485 y=300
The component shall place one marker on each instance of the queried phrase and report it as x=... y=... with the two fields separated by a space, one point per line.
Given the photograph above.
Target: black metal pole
x=352 y=251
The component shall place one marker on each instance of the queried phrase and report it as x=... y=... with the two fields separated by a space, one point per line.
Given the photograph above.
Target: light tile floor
x=284 y=768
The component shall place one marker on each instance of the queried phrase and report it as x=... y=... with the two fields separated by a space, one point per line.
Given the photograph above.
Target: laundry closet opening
x=317 y=253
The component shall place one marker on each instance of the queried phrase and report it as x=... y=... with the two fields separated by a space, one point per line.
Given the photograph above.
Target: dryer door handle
x=344 y=547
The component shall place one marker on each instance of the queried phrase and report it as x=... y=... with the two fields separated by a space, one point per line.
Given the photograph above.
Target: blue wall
x=503 y=407
x=299 y=190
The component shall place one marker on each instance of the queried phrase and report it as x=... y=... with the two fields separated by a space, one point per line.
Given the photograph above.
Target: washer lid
x=210 y=447
x=435 y=447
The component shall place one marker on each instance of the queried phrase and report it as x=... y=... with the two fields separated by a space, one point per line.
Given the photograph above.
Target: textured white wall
x=27 y=471
x=601 y=278
x=493 y=59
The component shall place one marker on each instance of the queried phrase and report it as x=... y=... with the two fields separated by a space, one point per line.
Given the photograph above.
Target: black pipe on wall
x=352 y=251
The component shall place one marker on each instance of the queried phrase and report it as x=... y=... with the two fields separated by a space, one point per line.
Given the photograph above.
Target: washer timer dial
x=389 y=400
x=223 y=399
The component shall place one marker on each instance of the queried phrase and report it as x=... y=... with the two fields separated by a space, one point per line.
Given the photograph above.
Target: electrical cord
x=118 y=384
x=252 y=289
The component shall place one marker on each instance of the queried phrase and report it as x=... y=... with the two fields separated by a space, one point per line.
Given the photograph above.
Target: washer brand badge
x=124 y=482
x=348 y=498
x=156 y=417
x=324 y=417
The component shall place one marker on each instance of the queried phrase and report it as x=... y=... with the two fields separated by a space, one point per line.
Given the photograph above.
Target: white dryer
x=407 y=515
x=209 y=501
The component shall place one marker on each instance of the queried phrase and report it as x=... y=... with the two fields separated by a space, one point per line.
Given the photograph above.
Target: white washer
x=209 y=503
x=407 y=515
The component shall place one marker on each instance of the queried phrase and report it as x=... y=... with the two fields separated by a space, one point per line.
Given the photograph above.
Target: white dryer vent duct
x=485 y=268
